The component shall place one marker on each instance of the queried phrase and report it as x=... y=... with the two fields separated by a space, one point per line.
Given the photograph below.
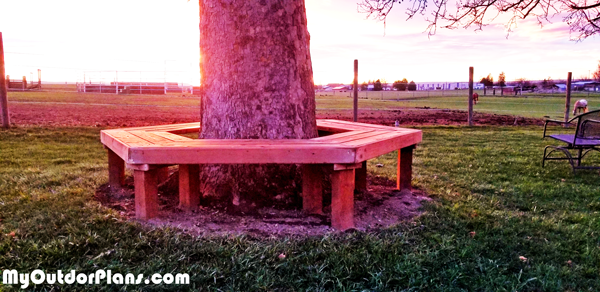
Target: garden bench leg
x=312 y=188
x=360 y=179
x=189 y=186
x=404 y=171
x=116 y=170
x=146 y=193
x=342 y=199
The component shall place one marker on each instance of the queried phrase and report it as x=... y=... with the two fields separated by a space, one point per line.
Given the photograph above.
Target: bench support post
x=342 y=199
x=189 y=186
x=312 y=189
x=146 y=194
x=116 y=170
x=404 y=171
x=360 y=179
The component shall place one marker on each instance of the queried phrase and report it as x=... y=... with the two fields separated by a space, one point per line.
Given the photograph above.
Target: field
x=531 y=105
x=497 y=220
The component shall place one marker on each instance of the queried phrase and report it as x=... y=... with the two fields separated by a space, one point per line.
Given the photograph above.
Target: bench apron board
x=344 y=146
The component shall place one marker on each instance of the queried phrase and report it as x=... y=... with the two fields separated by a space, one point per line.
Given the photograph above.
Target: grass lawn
x=532 y=105
x=486 y=180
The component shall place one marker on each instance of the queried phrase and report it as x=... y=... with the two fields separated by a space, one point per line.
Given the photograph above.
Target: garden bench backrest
x=588 y=126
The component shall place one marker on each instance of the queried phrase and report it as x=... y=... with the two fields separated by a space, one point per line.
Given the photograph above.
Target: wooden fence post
x=568 y=99
x=3 y=90
x=470 y=96
x=355 y=90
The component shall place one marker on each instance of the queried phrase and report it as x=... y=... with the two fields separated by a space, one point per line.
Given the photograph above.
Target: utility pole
x=3 y=93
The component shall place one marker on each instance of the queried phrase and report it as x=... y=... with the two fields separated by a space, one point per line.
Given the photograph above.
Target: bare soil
x=379 y=207
x=52 y=114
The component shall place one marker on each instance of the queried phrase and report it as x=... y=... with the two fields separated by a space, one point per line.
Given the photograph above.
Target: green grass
x=104 y=98
x=533 y=105
x=485 y=179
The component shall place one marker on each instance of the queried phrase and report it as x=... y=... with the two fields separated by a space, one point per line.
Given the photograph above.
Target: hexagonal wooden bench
x=344 y=146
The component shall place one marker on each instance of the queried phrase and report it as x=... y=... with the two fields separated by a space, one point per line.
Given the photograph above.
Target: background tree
x=412 y=86
x=502 y=80
x=487 y=81
x=582 y=16
x=364 y=86
x=596 y=74
x=401 y=85
x=257 y=82
x=548 y=83
x=377 y=85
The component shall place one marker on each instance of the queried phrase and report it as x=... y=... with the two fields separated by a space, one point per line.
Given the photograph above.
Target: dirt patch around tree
x=380 y=206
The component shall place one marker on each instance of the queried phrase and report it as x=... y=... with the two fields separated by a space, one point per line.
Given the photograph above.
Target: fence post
x=3 y=90
x=355 y=90
x=568 y=99
x=470 y=96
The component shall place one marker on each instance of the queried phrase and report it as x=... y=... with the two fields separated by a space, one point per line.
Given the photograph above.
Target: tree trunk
x=256 y=77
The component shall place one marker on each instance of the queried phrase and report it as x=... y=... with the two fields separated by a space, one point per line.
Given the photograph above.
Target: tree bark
x=256 y=77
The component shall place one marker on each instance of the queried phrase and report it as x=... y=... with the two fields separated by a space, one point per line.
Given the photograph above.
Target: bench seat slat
x=351 y=126
x=165 y=128
x=381 y=145
x=241 y=155
x=173 y=137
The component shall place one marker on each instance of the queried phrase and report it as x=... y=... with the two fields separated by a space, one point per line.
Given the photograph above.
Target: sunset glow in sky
x=142 y=40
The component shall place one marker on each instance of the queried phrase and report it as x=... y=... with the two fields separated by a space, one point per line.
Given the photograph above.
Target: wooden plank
x=150 y=137
x=342 y=199
x=312 y=189
x=361 y=135
x=146 y=194
x=336 y=125
x=404 y=171
x=116 y=146
x=189 y=186
x=377 y=148
x=169 y=127
x=146 y=167
x=360 y=177
x=173 y=137
x=338 y=166
x=283 y=154
x=129 y=139
x=338 y=135
x=116 y=170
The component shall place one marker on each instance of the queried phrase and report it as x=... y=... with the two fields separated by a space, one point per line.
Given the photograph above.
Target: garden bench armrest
x=553 y=121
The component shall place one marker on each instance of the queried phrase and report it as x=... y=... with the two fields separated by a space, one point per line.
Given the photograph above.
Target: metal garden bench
x=585 y=139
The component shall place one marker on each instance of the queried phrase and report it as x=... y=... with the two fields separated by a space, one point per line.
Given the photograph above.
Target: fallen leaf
x=472 y=233
x=522 y=258
x=281 y=256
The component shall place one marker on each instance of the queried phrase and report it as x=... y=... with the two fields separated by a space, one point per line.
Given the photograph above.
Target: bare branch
x=583 y=19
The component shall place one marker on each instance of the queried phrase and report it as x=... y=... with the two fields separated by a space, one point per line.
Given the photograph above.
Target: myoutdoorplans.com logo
x=100 y=277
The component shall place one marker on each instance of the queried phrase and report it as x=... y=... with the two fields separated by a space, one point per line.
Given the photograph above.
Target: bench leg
x=146 y=194
x=312 y=189
x=404 y=171
x=342 y=199
x=360 y=179
x=189 y=186
x=116 y=170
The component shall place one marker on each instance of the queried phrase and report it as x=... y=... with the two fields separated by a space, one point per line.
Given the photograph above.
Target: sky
x=157 y=40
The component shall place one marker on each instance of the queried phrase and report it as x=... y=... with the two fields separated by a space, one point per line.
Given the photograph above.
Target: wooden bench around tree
x=343 y=146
